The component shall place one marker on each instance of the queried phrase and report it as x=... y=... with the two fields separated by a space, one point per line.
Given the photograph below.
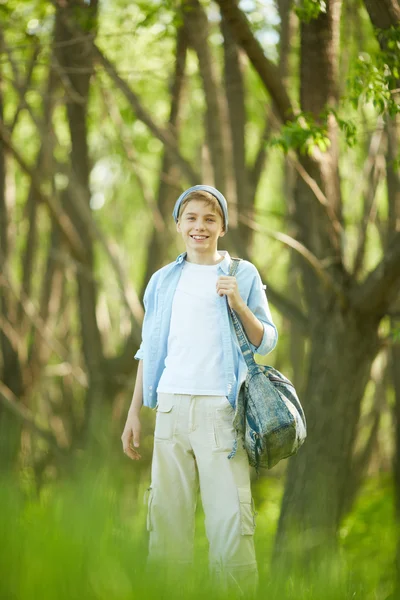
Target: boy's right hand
x=131 y=434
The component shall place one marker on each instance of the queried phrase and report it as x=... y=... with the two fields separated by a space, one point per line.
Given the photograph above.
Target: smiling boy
x=191 y=369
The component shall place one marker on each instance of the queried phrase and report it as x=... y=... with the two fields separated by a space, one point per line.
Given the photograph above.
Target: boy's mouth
x=199 y=238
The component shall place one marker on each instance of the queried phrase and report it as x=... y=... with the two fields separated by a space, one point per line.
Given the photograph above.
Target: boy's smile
x=198 y=238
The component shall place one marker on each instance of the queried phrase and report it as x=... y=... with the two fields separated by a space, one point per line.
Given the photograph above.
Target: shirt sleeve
x=140 y=353
x=258 y=304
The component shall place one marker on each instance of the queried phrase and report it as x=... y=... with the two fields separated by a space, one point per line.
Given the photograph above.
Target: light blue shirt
x=157 y=300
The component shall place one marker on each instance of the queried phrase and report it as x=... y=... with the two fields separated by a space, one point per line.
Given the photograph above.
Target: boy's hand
x=131 y=434
x=227 y=286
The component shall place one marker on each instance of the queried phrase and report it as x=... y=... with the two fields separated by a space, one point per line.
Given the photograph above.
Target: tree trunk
x=343 y=346
x=10 y=369
x=343 y=343
x=393 y=184
x=196 y=24
x=235 y=97
x=395 y=364
x=71 y=56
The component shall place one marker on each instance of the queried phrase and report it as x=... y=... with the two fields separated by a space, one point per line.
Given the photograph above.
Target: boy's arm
x=264 y=333
x=137 y=398
x=132 y=427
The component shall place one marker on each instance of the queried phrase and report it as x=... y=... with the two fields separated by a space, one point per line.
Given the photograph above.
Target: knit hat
x=204 y=188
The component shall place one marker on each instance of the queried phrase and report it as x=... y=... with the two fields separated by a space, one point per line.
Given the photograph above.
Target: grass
x=87 y=540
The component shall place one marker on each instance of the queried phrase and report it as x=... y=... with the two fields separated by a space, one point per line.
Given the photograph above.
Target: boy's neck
x=201 y=258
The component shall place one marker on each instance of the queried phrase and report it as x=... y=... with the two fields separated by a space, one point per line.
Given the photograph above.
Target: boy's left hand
x=227 y=286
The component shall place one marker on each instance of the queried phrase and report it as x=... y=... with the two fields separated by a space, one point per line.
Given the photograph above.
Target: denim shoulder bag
x=268 y=415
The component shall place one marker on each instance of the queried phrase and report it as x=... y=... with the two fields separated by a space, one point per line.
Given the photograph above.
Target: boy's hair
x=209 y=200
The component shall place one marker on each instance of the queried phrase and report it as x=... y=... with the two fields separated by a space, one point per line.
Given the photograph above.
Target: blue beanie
x=204 y=188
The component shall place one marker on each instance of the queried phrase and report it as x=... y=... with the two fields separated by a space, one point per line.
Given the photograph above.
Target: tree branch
x=288 y=309
x=266 y=69
x=383 y=13
x=61 y=218
x=306 y=254
x=10 y=401
x=22 y=87
x=378 y=290
x=42 y=328
x=164 y=135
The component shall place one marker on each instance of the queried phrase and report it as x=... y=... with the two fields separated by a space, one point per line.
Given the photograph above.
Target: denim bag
x=268 y=415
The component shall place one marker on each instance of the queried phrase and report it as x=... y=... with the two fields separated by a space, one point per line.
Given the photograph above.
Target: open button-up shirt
x=157 y=300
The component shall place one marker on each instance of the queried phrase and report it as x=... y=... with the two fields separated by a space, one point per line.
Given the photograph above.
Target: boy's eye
x=190 y=218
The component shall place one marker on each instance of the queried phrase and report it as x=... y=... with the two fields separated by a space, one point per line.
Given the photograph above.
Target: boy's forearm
x=137 y=398
x=253 y=327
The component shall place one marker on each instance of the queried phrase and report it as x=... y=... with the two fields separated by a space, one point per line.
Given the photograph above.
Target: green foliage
x=375 y=77
x=87 y=539
x=302 y=134
x=305 y=133
x=368 y=525
x=307 y=10
x=348 y=128
x=395 y=334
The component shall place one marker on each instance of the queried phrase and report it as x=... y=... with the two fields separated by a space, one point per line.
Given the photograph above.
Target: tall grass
x=86 y=539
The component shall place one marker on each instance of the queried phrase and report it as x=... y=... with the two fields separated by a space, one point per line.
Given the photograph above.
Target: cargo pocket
x=247 y=512
x=164 y=428
x=149 y=501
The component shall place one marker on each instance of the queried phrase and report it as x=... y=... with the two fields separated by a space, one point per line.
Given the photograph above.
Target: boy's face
x=199 y=219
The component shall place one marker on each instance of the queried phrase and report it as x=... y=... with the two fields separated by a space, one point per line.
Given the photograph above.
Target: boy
x=191 y=369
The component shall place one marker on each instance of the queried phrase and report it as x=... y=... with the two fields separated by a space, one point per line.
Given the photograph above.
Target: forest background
x=108 y=110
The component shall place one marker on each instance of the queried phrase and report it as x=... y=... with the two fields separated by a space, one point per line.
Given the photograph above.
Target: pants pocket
x=224 y=433
x=247 y=512
x=164 y=428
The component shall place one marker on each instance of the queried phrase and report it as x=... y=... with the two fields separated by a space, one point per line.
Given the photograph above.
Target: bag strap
x=242 y=338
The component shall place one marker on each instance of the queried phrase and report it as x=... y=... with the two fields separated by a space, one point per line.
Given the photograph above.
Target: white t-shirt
x=194 y=361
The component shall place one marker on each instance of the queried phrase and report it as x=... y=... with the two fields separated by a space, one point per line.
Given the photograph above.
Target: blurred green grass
x=86 y=538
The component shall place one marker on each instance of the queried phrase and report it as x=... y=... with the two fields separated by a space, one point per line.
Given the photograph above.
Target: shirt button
x=150 y=387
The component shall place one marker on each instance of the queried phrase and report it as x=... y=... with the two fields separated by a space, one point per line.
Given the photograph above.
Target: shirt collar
x=224 y=264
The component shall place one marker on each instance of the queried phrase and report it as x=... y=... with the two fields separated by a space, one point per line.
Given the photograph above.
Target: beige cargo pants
x=192 y=439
